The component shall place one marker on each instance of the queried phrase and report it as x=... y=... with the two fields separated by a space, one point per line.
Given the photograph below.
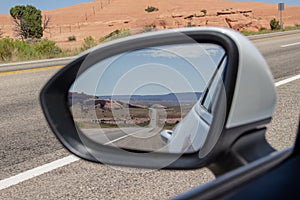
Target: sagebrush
x=18 y=50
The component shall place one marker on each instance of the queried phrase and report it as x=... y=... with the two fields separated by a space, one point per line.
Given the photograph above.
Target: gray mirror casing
x=248 y=88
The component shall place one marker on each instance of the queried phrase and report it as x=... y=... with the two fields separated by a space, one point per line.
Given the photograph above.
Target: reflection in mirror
x=140 y=99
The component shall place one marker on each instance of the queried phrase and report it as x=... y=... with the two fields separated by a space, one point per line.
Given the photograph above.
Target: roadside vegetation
x=204 y=11
x=18 y=50
x=274 y=27
x=151 y=9
x=119 y=33
x=14 y=50
x=265 y=31
x=30 y=26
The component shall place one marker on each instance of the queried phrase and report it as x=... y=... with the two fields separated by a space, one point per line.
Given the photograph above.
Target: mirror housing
x=245 y=103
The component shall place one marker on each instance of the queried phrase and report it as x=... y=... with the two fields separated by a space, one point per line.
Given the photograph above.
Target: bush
x=189 y=24
x=32 y=40
x=149 y=28
x=204 y=11
x=47 y=48
x=18 y=50
x=88 y=43
x=151 y=9
x=274 y=24
x=25 y=51
x=6 y=49
x=119 y=33
x=72 y=38
x=263 y=29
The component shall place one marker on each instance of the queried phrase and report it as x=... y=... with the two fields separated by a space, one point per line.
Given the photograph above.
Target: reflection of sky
x=152 y=71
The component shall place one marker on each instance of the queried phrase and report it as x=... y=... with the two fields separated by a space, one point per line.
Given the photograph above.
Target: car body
x=166 y=135
x=226 y=135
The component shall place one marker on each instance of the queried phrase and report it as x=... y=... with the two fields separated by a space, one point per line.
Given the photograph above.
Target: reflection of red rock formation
x=129 y=121
x=112 y=104
x=157 y=106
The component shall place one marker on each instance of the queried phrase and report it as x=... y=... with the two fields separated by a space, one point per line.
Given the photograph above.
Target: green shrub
x=149 y=28
x=151 y=9
x=18 y=50
x=25 y=51
x=263 y=29
x=88 y=43
x=274 y=24
x=47 y=48
x=204 y=11
x=72 y=38
x=119 y=33
x=6 y=49
x=189 y=24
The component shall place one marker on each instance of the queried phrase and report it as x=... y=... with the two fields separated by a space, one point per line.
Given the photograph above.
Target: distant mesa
x=134 y=101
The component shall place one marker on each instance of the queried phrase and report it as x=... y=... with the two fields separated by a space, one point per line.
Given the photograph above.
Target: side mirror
x=170 y=99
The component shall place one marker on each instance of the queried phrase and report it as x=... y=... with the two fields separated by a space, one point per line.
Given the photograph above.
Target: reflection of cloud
x=183 y=50
x=215 y=52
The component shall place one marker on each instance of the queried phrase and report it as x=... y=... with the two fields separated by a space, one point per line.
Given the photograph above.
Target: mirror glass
x=149 y=99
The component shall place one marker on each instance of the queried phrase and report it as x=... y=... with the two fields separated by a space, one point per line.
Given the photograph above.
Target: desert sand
x=102 y=17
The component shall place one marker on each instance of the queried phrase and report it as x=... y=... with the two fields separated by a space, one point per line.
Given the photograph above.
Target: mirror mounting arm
x=247 y=148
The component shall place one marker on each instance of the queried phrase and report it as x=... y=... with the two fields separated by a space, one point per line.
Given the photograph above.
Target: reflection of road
x=141 y=138
x=153 y=122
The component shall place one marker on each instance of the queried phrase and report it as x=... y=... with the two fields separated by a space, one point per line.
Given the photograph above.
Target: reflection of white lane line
x=153 y=122
x=289 y=45
x=19 y=178
x=120 y=138
x=127 y=135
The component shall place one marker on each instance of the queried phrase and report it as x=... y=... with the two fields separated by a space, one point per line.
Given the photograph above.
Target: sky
x=286 y=2
x=5 y=5
x=171 y=68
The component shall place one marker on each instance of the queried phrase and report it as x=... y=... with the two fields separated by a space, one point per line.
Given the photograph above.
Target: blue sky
x=287 y=2
x=171 y=68
x=5 y=5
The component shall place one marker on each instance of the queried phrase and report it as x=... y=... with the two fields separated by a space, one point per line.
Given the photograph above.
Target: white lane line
x=285 y=81
x=289 y=45
x=14 y=180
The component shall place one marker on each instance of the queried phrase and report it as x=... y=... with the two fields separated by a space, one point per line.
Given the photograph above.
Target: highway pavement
x=26 y=142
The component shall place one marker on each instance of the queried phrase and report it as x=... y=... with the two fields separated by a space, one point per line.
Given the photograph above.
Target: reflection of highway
x=147 y=139
x=153 y=120
x=142 y=138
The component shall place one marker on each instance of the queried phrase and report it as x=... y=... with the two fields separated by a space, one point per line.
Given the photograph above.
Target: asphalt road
x=26 y=141
x=282 y=54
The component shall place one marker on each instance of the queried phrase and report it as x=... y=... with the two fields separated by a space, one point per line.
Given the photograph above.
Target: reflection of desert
x=130 y=121
x=95 y=112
